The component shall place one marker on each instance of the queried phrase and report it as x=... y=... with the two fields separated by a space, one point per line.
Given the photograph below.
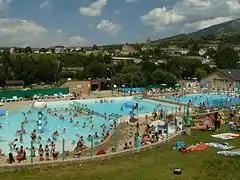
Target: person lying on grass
x=235 y=126
x=196 y=147
x=204 y=123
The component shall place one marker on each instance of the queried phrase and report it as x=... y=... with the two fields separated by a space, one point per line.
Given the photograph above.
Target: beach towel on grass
x=218 y=145
x=225 y=136
x=230 y=153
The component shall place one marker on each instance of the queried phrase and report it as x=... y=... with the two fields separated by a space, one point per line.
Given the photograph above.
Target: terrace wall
x=26 y=166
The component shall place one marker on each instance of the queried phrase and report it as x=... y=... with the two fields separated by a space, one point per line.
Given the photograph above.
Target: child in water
x=64 y=130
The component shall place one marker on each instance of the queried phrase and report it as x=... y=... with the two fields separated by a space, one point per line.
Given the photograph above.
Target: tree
x=226 y=58
x=133 y=74
x=95 y=47
x=5 y=67
x=160 y=76
x=199 y=72
x=211 y=53
x=28 y=49
x=183 y=67
x=96 y=69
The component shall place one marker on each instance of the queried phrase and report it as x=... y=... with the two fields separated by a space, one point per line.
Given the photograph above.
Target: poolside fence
x=114 y=143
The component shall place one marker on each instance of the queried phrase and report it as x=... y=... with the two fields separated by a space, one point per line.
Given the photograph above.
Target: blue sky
x=80 y=22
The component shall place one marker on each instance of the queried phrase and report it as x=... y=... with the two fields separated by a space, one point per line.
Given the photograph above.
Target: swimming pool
x=208 y=99
x=12 y=122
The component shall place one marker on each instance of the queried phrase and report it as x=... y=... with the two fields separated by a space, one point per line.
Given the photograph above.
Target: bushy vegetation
x=156 y=66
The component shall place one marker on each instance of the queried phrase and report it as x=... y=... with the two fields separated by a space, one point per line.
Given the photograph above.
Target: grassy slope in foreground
x=151 y=164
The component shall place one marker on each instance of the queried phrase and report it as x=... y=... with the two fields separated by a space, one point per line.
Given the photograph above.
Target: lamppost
x=111 y=79
x=115 y=135
x=131 y=84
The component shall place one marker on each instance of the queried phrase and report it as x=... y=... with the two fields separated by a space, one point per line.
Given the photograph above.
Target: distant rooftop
x=232 y=73
x=14 y=83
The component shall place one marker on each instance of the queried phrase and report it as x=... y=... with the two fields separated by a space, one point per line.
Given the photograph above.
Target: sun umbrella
x=163 y=85
x=26 y=89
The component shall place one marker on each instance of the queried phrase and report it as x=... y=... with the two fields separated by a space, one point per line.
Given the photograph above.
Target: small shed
x=14 y=83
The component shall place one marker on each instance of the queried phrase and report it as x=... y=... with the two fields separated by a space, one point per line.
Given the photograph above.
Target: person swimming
x=55 y=135
x=84 y=125
x=96 y=135
x=90 y=119
x=21 y=138
x=89 y=137
x=77 y=123
x=33 y=135
x=64 y=130
x=12 y=144
x=25 y=121
x=121 y=108
x=39 y=139
x=61 y=117
x=73 y=142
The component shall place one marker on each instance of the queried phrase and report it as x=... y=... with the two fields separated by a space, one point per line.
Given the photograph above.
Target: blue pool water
x=125 y=90
x=208 y=99
x=12 y=122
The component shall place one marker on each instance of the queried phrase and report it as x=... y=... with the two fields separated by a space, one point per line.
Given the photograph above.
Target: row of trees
x=48 y=68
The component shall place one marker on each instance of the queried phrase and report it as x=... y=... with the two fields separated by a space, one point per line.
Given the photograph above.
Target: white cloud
x=206 y=23
x=76 y=40
x=116 y=11
x=59 y=31
x=45 y=4
x=90 y=26
x=5 y=3
x=94 y=9
x=161 y=16
x=109 y=27
x=130 y=1
x=16 y=32
x=190 y=15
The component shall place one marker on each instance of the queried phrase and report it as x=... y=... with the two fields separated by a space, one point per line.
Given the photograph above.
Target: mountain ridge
x=232 y=26
x=227 y=27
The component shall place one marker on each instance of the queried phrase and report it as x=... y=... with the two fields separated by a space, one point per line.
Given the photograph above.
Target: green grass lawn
x=151 y=164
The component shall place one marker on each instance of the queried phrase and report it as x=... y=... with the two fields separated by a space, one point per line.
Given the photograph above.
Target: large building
x=223 y=79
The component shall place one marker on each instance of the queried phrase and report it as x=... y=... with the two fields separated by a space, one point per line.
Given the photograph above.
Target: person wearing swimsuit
x=40 y=152
x=47 y=152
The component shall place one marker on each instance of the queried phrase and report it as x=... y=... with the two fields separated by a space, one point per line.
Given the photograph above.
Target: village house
x=223 y=79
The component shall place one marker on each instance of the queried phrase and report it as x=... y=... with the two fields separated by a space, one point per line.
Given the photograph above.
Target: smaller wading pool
x=212 y=99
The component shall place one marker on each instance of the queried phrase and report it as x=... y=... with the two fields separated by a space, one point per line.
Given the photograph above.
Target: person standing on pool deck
x=217 y=121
